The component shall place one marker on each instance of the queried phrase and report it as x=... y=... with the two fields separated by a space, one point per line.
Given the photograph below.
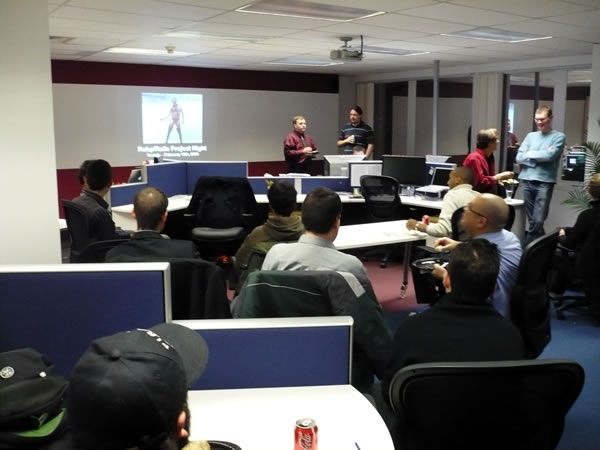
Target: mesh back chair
x=484 y=405
x=584 y=261
x=78 y=224
x=529 y=303
x=96 y=251
x=381 y=194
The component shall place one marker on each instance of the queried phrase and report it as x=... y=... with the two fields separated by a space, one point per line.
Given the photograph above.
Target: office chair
x=283 y=293
x=381 y=194
x=584 y=261
x=494 y=405
x=78 y=225
x=252 y=264
x=529 y=303
x=96 y=251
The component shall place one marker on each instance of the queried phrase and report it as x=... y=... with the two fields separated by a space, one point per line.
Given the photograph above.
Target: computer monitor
x=59 y=309
x=440 y=176
x=135 y=176
x=337 y=165
x=359 y=168
x=407 y=170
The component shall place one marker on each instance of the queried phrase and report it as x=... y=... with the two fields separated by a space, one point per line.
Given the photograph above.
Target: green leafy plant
x=579 y=198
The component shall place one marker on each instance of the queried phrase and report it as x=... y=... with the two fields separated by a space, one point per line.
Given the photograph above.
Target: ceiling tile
x=529 y=8
x=462 y=14
x=412 y=23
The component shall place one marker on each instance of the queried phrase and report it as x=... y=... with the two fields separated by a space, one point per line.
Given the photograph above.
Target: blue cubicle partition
x=169 y=177
x=197 y=169
x=429 y=166
x=338 y=184
x=282 y=352
x=60 y=309
x=122 y=194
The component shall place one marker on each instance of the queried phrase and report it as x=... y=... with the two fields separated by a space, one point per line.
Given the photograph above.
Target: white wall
x=29 y=231
x=98 y=121
x=454 y=120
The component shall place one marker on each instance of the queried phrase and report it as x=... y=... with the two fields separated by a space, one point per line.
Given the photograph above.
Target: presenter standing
x=299 y=148
x=539 y=157
x=356 y=133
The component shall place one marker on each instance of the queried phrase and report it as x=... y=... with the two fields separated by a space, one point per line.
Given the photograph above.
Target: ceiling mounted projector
x=347 y=53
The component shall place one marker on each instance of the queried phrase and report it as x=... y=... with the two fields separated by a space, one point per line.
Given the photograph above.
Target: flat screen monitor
x=360 y=168
x=135 y=176
x=60 y=309
x=407 y=170
x=440 y=176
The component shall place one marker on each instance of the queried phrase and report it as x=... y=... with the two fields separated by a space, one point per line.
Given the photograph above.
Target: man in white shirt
x=461 y=193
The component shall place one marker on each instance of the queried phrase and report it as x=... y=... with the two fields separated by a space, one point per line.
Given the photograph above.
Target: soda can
x=425 y=219
x=305 y=435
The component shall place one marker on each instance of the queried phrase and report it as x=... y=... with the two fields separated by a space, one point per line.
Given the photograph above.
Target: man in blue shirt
x=539 y=157
x=485 y=218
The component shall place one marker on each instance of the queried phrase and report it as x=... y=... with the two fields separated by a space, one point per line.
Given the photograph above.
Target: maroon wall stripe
x=79 y=72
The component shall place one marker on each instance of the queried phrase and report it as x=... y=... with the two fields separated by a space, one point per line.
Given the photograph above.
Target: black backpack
x=32 y=400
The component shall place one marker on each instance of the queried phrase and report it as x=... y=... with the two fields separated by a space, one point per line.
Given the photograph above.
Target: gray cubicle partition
x=60 y=309
x=279 y=352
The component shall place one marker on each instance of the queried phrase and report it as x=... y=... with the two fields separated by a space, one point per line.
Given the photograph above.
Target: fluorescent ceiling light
x=392 y=51
x=245 y=38
x=495 y=34
x=145 y=51
x=307 y=10
x=303 y=62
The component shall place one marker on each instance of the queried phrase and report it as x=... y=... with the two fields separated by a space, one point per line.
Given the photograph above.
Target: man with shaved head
x=485 y=218
x=460 y=195
x=150 y=211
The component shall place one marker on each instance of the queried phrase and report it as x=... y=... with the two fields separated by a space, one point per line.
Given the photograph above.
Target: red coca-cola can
x=305 y=435
x=425 y=219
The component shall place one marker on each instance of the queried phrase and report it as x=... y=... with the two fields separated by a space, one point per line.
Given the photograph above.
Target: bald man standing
x=485 y=218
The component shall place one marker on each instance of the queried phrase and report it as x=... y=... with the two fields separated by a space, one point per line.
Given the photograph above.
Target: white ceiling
x=95 y=25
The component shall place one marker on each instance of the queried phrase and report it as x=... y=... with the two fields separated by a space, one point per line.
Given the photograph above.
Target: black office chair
x=252 y=264
x=96 y=251
x=381 y=194
x=78 y=225
x=529 y=303
x=584 y=263
x=484 y=405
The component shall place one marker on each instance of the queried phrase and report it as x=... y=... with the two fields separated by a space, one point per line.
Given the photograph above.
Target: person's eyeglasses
x=475 y=212
x=543 y=119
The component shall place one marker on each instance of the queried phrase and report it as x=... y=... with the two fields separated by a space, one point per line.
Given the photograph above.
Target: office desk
x=264 y=419
x=380 y=233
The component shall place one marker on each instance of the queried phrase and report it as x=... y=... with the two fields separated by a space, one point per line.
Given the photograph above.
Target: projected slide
x=172 y=124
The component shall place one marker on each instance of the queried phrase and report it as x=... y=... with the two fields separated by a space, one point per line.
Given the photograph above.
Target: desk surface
x=264 y=419
x=374 y=234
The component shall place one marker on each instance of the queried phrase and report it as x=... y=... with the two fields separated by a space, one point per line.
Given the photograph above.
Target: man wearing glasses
x=485 y=218
x=539 y=157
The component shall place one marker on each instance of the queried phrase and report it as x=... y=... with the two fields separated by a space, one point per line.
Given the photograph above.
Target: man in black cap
x=129 y=390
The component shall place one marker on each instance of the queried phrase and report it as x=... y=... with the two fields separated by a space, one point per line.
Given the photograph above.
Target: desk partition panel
x=338 y=184
x=197 y=169
x=258 y=353
x=59 y=309
x=170 y=177
x=123 y=194
x=259 y=184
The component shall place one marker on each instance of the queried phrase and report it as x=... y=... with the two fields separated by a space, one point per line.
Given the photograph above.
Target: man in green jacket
x=281 y=226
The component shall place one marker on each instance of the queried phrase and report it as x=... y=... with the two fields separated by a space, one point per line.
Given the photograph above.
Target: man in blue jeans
x=539 y=157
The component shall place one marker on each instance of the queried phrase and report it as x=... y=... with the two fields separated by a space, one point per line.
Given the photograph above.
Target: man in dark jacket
x=98 y=176
x=150 y=210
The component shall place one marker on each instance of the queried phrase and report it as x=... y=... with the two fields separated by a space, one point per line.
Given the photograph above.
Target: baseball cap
x=128 y=388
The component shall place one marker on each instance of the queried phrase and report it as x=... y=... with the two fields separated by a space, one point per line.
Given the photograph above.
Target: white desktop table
x=264 y=419
x=380 y=233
